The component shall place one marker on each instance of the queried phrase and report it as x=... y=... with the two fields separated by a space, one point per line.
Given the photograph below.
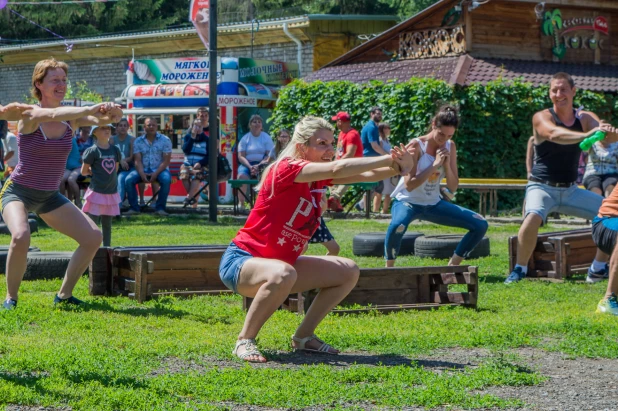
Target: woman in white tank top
x=417 y=195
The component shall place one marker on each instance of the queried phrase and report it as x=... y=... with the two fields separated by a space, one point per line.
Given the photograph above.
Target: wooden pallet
x=150 y=272
x=399 y=288
x=558 y=255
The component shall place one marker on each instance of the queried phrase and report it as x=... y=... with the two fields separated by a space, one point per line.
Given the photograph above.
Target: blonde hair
x=306 y=128
x=40 y=71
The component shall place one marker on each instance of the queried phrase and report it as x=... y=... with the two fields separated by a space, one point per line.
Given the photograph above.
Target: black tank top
x=555 y=162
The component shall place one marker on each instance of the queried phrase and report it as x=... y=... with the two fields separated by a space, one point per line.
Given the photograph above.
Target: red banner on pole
x=199 y=16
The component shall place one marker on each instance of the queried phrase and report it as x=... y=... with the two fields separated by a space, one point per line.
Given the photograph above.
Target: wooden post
x=100 y=273
x=141 y=276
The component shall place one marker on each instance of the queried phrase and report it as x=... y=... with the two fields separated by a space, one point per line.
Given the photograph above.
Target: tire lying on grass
x=4 y=252
x=443 y=246
x=34 y=227
x=45 y=266
x=372 y=244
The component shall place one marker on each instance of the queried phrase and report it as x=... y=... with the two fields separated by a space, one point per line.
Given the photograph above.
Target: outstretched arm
x=80 y=116
x=351 y=170
x=13 y=111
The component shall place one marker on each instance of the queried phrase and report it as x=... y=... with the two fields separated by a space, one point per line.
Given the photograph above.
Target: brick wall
x=107 y=76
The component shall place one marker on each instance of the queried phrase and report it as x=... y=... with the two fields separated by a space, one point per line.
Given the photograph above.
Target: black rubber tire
x=4 y=252
x=45 y=266
x=34 y=227
x=372 y=244
x=443 y=246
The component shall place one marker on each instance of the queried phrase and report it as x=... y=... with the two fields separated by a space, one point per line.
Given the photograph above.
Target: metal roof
x=294 y=21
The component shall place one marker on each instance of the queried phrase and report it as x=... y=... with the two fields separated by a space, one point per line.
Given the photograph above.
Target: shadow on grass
x=105 y=380
x=159 y=310
x=346 y=360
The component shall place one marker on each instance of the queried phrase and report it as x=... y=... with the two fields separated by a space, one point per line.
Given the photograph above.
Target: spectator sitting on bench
x=71 y=174
x=124 y=141
x=552 y=187
x=417 y=194
x=195 y=167
x=84 y=139
x=253 y=153
x=283 y=138
x=601 y=173
x=152 y=153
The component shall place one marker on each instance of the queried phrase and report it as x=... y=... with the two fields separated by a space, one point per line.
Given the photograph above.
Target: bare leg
x=609 y=190
x=243 y=189
x=377 y=201
x=141 y=187
x=334 y=276
x=332 y=247
x=74 y=187
x=612 y=283
x=596 y=190
x=195 y=187
x=386 y=205
x=601 y=256
x=526 y=238
x=269 y=283
x=16 y=218
x=63 y=182
x=71 y=221
x=455 y=260
x=390 y=263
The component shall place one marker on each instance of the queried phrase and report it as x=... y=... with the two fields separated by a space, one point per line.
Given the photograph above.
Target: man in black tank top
x=551 y=187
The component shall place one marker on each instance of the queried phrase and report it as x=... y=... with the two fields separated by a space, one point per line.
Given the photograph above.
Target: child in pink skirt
x=101 y=162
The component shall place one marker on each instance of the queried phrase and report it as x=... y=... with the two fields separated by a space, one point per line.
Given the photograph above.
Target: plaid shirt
x=152 y=154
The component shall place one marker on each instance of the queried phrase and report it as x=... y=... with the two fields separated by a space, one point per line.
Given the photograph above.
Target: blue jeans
x=164 y=179
x=122 y=179
x=443 y=213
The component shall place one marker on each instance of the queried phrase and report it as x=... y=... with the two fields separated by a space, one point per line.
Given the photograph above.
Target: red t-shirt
x=351 y=138
x=278 y=227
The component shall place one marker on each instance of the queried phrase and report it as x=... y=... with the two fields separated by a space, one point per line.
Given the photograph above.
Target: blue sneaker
x=516 y=275
x=9 y=304
x=71 y=300
x=596 y=276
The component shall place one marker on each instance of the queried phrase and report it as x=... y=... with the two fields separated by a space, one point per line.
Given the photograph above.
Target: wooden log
x=404 y=296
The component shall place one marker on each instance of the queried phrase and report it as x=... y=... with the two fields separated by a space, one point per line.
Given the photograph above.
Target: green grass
x=113 y=353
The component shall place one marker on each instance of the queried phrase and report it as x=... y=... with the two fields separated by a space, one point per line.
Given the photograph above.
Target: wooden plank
x=100 y=273
x=396 y=281
x=461 y=278
x=413 y=270
x=424 y=288
x=125 y=251
x=188 y=264
x=391 y=308
x=405 y=296
x=190 y=293
x=181 y=254
x=141 y=277
x=453 y=298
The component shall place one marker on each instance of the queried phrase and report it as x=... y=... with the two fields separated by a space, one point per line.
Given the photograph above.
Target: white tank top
x=427 y=193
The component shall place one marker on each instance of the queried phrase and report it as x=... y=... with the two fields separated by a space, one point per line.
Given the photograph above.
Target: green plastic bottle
x=588 y=142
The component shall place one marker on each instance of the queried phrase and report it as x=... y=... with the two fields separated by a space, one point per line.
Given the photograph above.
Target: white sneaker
x=162 y=213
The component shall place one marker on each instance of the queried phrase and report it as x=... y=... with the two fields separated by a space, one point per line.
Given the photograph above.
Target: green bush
x=496 y=119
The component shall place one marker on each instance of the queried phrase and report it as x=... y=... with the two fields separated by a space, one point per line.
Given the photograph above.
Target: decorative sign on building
x=266 y=71
x=173 y=70
x=578 y=33
x=432 y=43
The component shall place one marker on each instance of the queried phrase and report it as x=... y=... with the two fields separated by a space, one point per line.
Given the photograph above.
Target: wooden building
x=478 y=41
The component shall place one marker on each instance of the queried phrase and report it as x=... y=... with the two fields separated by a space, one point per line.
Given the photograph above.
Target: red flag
x=199 y=16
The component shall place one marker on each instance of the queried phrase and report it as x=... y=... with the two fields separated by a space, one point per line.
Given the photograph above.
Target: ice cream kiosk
x=174 y=88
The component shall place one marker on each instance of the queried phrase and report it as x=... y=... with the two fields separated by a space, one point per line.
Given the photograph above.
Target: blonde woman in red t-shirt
x=264 y=260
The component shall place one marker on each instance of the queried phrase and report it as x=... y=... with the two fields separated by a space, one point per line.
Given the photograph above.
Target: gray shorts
x=542 y=199
x=36 y=201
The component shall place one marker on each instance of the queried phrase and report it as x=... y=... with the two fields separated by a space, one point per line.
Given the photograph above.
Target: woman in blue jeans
x=417 y=195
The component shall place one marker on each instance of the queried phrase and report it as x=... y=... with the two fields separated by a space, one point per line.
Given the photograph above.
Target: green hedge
x=496 y=119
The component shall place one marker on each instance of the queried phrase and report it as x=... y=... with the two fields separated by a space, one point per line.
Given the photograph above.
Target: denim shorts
x=242 y=169
x=542 y=199
x=231 y=264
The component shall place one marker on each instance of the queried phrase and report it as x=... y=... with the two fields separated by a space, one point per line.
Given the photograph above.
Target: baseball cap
x=342 y=115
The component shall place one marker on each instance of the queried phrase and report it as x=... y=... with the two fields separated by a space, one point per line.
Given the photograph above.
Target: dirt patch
x=572 y=385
